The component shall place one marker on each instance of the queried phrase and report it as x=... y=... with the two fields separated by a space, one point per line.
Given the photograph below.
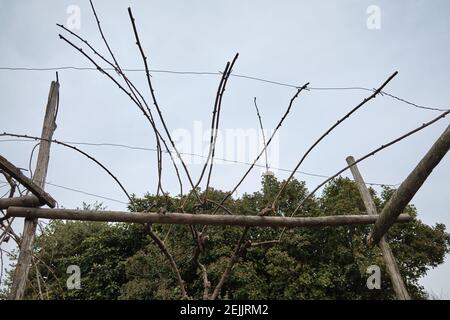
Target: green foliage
x=119 y=261
x=99 y=249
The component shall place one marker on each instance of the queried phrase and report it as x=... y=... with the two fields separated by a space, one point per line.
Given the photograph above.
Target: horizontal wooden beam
x=25 y=201
x=406 y=191
x=14 y=172
x=199 y=219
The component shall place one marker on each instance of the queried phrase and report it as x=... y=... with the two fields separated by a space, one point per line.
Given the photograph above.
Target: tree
x=119 y=261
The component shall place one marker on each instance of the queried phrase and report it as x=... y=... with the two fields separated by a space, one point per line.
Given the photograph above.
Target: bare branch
x=234 y=258
x=372 y=96
x=265 y=243
x=265 y=147
x=58 y=280
x=219 y=205
x=135 y=93
x=73 y=148
x=11 y=183
x=38 y=280
x=213 y=123
x=131 y=87
x=262 y=132
x=423 y=126
x=216 y=129
x=131 y=96
x=155 y=102
x=13 y=171
x=206 y=283
x=406 y=191
x=169 y=257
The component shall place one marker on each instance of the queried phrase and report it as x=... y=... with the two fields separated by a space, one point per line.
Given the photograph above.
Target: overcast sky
x=328 y=44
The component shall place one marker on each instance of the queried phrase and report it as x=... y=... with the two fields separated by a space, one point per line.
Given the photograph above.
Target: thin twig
x=8 y=230
x=216 y=129
x=234 y=258
x=262 y=132
x=219 y=205
x=11 y=183
x=264 y=243
x=38 y=280
x=51 y=271
x=31 y=159
x=155 y=102
x=213 y=122
x=172 y=262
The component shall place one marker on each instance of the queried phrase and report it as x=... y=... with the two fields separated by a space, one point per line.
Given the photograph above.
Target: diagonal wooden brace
x=406 y=191
x=13 y=171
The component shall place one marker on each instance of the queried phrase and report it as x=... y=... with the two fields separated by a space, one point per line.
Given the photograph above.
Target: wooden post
x=197 y=219
x=29 y=229
x=389 y=259
x=406 y=191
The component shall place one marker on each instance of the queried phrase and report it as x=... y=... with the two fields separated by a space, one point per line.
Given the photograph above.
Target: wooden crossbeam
x=406 y=191
x=13 y=171
x=388 y=257
x=197 y=219
x=25 y=201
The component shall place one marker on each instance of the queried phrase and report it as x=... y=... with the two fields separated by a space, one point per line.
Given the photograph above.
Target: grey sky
x=326 y=43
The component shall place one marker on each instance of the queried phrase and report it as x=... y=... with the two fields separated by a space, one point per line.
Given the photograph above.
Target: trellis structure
x=28 y=206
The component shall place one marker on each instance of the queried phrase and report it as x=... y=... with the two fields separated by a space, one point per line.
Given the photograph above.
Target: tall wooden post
x=389 y=259
x=29 y=230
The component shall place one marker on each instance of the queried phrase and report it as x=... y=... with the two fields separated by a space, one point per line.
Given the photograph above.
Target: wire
x=415 y=105
x=108 y=69
x=78 y=191
x=198 y=155
x=84 y=192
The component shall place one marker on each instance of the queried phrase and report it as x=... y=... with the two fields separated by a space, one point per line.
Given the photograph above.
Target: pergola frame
x=28 y=207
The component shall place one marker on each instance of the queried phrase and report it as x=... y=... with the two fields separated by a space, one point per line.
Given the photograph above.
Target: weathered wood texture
x=14 y=172
x=199 y=219
x=20 y=276
x=409 y=187
x=25 y=201
x=389 y=258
